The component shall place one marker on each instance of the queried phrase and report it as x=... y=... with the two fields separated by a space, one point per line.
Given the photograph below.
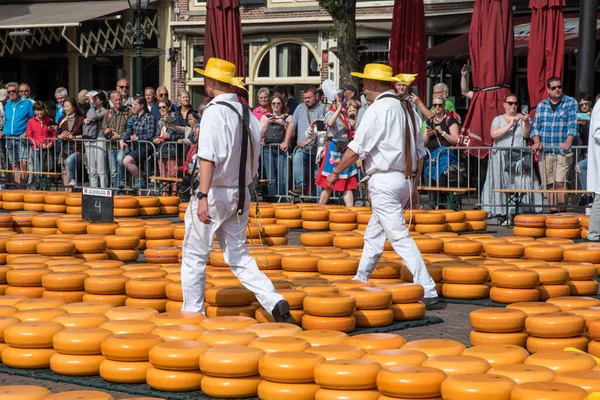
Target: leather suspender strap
x=408 y=137
x=245 y=120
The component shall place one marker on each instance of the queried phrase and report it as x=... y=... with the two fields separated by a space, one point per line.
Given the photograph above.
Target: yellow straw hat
x=222 y=71
x=406 y=79
x=378 y=72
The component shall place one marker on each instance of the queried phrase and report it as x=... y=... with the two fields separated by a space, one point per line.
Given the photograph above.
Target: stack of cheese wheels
x=530 y=226
x=363 y=216
x=78 y=351
x=34 y=201
x=372 y=306
x=127 y=357
x=347 y=377
x=159 y=235
x=555 y=331
x=342 y=220
x=147 y=292
x=175 y=365
x=224 y=301
x=231 y=371
x=169 y=205
x=581 y=265
x=275 y=234
x=178 y=234
x=24 y=279
x=45 y=224
x=463 y=280
x=22 y=221
x=498 y=326
x=594 y=332
x=430 y=222
x=126 y=206
x=29 y=343
x=182 y=209
x=55 y=202
x=295 y=298
x=585 y=225
x=563 y=226
x=73 y=202
x=68 y=286
x=106 y=285
x=132 y=227
x=300 y=261
x=92 y=247
x=315 y=218
x=455 y=220
x=122 y=247
x=406 y=300
x=148 y=206
x=12 y=200
x=475 y=220
x=289 y=215
x=514 y=285
x=288 y=374
x=265 y=213
x=553 y=278
x=329 y=311
x=410 y=382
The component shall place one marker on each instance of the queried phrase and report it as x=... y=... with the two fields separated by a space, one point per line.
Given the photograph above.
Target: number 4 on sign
x=98 y=205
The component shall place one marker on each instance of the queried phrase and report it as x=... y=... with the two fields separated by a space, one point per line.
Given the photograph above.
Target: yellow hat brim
x=237 y=82
x=375 y=78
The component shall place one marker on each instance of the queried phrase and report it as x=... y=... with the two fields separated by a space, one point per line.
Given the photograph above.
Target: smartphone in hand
x=321 y=125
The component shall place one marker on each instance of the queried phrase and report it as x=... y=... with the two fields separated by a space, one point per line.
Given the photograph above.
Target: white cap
x=3 y=94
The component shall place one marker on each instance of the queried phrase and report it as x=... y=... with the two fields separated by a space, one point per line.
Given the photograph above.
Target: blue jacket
x=441 y=159
x=16 y=116
x=60 y=112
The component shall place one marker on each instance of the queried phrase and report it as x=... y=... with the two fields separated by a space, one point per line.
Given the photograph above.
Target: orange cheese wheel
x=244 y=311
x=23 y=358
x=317 y=214
x=121 y=241
x=290 y=223
x=173 y=381
x=367 y=298
x=551 y=275
x=178 y=332
x=502 y=250
x=315 y=225
x=532 y=221
x=532 y=308
x=39 y=314
x=563 y=233
x=338 y=352
x=31 y=292
x=562 y=361
x=125 y=313
x=323 y=337
x=396 y=357
x=268 y=390
x=122 y=327
x=80 y=320
x=73 y=365
x=350 y=374
x=583 y=288
x=80 y=341
x=506 y=295
x=562 y=222
x=329 y=304
x=476 y=226
x=348 y=241
x=515 y=279
x=465 y=291
x=102 y=228
x=429 y=218
x=317 y=239
x=555 y=325
x=231 y=361
x=106 y=284
x=159 y=305
x=177 y=318
x=430 y=228
x=465 y=274
x=498 y=320
x=568 y=303
x=343 y=217
x=371 y=342
x=86 y=307
x=230 y=388
x=272 y=344
x=521 y=373
x=409 y=381
x=513 y=338
x=408 y=311
x=129 y=347
x=589 y=313
x=457 y=365
x=477 y=386
x=529 y=232
x=226 y=337
x=537 y=344
x=463 y=247
x=436 y=347
x=227 y=322
x=283 y=213
x=64 y=280
x=229 y=296
x=289 y=366
x=26 y=277
x=146 y=288
x=22 y=246
x=337 y=266
x=498 y=354
x=31 y=304
x=5 y=322
x=404 y=292
x=274 y=329
x=128 y=255
x=181 y=355
x=341 y=323
x=548 y=390
x=339 y=227
x=124 y=372
x=587 y=380
x=116 y=300
x=587 y=255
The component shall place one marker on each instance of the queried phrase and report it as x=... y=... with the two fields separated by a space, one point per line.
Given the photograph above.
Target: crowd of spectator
x=110 y=139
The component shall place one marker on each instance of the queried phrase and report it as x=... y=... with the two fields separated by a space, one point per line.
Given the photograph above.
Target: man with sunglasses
x=123 y=88
x=553 y=131
x=25 y=92
x=162 y=94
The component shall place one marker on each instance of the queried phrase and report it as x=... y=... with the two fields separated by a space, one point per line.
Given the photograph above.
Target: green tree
x=343 y=13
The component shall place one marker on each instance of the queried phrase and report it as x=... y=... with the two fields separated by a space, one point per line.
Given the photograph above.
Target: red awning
x=458 y=48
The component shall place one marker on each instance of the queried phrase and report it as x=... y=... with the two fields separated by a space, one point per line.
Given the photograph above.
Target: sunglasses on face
x=555 y=87
x=24 y=91
x=437 y=105
x=512 y=103
x=11 y=91
x=162 y=107
x=586 y=104
x=275 y=104
x=162 y=95
x=123 y=87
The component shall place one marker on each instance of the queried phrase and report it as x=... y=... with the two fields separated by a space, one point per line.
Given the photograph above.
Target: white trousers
x=388 y=192
x=96 y=163
x=231 y=234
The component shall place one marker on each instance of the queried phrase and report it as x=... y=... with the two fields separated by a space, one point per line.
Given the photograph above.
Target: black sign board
x=97 y=205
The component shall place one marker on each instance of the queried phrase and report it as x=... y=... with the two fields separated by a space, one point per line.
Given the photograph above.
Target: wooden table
x=515 y=196
x=452 y=192
x=166 y=183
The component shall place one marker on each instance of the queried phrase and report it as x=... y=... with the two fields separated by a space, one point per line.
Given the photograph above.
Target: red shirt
x=258 y=112
x=38 y=130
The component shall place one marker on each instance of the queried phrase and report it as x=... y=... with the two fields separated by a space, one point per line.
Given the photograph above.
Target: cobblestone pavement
x=455 y=326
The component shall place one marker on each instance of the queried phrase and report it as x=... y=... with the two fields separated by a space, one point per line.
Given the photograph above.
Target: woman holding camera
x=338 y=127
x=273 y=161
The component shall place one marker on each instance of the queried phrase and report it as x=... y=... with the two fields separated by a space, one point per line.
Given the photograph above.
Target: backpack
x=275 y=133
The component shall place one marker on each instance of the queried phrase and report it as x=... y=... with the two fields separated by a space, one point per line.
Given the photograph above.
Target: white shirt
x=593 y=156
x=379 y=139
x=220 y=141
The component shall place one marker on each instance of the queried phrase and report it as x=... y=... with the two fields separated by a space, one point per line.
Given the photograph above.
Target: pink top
x=258 y=112
x=38 y=130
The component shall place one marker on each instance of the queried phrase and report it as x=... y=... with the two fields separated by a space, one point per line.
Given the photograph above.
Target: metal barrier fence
x=154 y=168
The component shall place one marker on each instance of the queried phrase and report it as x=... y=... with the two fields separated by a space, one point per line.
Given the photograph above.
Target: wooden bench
x=454 y=193
x=166 y=183
x=46 y=174
x=515 y=197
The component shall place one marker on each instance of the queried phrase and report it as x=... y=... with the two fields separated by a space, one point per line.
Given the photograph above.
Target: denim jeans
x=304 y=159
x=72 y=161
x=581 y=170
x=274 y=167
x=117 y=171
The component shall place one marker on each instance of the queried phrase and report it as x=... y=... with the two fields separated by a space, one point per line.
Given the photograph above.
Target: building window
x=197 y=95
x=198 y=59
x=280 y=3
x=197 y=5
x=287 y=60
x=376 y=50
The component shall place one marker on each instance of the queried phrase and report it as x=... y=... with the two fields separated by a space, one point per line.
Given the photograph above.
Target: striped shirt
x=554 y=127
